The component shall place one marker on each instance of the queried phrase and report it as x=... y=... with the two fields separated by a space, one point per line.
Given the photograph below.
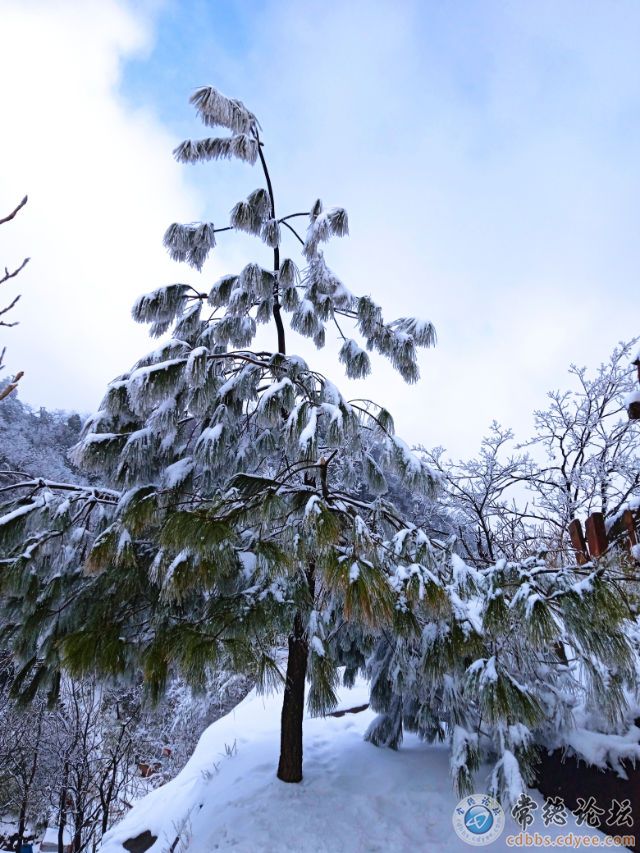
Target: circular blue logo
x=478 y=820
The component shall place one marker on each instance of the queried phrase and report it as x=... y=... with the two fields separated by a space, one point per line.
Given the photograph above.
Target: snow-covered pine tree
x=247 y=501
x=511 y=659
x=246 y=495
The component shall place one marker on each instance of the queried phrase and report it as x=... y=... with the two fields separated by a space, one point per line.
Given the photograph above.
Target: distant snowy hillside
x=37 y=442
x=354 y=796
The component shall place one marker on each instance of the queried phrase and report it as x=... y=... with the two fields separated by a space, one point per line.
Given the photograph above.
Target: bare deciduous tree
x=9 y=274
x=91 y=753
x=21 y=766
x=479 y=497
x=512 y=500
x=590 y=445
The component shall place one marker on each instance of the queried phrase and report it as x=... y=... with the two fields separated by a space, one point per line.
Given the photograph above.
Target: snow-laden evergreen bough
x=510 y=660
x=246 y=500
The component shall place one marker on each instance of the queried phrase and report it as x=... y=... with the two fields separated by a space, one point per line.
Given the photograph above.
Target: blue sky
x=486 y=153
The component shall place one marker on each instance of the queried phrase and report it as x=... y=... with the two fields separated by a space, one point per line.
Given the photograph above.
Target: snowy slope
x=354 y=796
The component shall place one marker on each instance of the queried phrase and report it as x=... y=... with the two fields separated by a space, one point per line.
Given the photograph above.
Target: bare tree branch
x=14 y=211
x=6 y=277
x=12 y=385
x=8 y=308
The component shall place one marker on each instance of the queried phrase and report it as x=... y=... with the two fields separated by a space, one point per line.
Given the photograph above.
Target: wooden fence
x=596 y=539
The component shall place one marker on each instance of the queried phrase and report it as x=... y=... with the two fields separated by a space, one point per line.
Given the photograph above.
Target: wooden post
x=629 y=524
x=577 y=541
x=596 y=535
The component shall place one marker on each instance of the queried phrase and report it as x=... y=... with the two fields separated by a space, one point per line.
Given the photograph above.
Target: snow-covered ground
x=354 y=796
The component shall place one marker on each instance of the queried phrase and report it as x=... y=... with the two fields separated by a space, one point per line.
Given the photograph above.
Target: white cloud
x=487 y=157
x=102 y=188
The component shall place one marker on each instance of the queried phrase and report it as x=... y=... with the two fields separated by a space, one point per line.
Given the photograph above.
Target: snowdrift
x=354 y=796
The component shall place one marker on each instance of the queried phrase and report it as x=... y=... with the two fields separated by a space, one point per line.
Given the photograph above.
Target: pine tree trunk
x=290 y=765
